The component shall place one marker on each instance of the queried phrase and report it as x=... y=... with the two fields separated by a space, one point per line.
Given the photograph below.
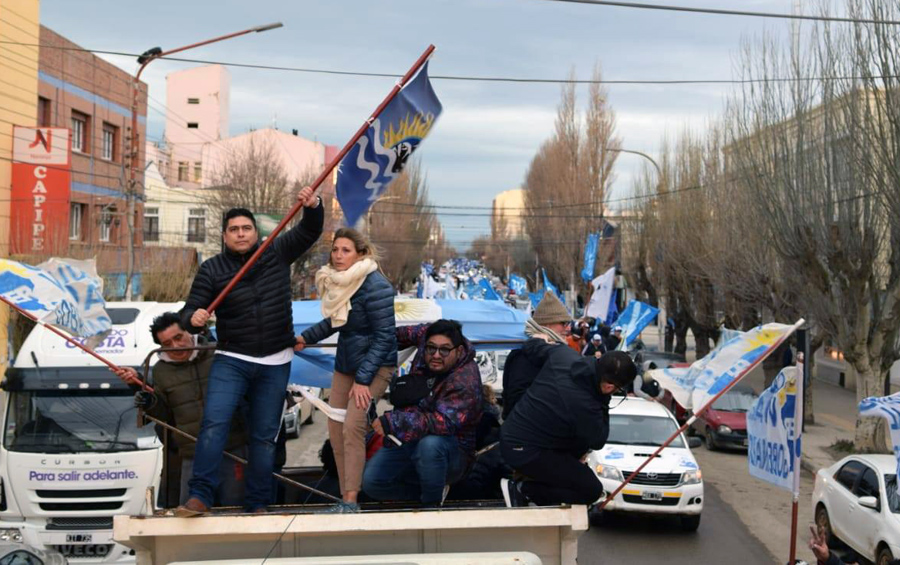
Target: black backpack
x=409 y=390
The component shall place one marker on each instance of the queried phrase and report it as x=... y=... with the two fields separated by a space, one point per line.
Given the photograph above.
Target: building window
x=80 y=132
x=108 y=147
x=43 y=112
x=182 y=170
x=106 y=220
x=193 y=100
x=198 y=172
x=196 y=225
x=151 y=224
x=76 y=213
x=193 y=125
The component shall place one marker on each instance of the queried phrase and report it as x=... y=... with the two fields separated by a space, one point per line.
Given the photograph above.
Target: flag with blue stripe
x=378 y=157
x=773 y=432
x=633 y=320
x=888 y=407
x=489 y=292
x=694 y=386
x=590 y=256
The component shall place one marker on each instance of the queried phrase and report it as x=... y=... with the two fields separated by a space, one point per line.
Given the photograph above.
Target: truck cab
x=72 y=455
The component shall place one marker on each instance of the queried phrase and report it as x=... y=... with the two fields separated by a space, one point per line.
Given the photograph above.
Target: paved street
x=722 y=538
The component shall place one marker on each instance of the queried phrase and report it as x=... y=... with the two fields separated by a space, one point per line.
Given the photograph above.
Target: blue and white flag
x=518 y=284
x=381 y=153
x=535 y=298
x=549 y=285
x=590 y=256
x=598 y=307
x=633 y=320
x=887 y=407
x=773 y=431
x=66 y=293
x=694 y=386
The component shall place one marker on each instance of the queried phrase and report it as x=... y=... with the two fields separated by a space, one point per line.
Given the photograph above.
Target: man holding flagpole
x=255 y=336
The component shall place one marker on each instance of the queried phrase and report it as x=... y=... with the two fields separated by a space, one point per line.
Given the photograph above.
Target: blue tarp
x=481 y=320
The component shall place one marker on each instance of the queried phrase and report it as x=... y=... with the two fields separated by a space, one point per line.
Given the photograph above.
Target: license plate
x=650 y=495
x=79 y=538
x=746 y=443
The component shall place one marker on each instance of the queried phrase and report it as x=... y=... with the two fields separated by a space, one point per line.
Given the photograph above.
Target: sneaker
x=512 y=493
x=342 y=508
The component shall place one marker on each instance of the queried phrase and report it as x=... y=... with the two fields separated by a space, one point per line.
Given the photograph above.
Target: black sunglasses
x=444 y=352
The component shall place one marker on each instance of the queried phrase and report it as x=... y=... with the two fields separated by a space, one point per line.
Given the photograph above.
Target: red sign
x=40 y=190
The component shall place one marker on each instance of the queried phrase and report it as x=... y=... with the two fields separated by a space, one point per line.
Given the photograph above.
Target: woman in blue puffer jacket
x=358 y=303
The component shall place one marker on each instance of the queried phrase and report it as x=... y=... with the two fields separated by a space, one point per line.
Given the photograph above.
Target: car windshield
x=735 y=401
x=74 y=422
x=893 y=497
x=629 y=429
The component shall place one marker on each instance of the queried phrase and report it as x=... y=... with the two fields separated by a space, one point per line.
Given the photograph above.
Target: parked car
x=725 y=423
x=671 y=484
x=856 y=502
x=300 y=413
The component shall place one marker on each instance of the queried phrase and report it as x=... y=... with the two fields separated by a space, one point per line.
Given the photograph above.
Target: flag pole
x=60 y=333
x=798 y=446
x=693 y=418
x=322 y=176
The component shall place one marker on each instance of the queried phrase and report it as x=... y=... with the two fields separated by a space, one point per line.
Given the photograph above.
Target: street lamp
x=145 y=59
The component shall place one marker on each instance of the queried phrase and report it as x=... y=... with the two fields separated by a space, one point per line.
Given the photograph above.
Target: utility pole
x=145 y=59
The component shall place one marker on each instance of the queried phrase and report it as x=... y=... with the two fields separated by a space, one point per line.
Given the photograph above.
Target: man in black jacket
x=564 y=414
x=255 y=336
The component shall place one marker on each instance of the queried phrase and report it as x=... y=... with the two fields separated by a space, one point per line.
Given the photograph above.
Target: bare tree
x=567 y=183
x=820 y=157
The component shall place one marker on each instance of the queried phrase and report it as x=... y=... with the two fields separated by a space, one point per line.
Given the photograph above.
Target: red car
x=725 y=423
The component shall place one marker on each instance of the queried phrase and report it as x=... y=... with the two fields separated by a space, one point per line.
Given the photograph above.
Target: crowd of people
x=443 y=429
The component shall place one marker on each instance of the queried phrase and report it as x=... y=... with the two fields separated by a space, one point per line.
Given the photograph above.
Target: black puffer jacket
x=255 y=318
x=368 y=341
x=563 y=409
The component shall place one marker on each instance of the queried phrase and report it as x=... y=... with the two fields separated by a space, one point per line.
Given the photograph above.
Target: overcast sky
x=488 y=132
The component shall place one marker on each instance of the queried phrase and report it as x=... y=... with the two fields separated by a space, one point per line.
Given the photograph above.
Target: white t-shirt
x=280 y=358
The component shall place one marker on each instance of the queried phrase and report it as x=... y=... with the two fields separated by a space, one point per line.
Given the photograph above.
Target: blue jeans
x=230 y=380
x=231 y=480
x=416 y=470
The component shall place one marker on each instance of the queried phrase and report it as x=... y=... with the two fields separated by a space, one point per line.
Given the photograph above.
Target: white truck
x=72 y=456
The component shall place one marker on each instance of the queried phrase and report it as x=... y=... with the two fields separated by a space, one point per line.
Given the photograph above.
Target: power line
x=612 y=82
x=720 y=12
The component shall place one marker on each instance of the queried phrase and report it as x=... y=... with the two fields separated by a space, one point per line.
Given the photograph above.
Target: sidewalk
x=834 y=410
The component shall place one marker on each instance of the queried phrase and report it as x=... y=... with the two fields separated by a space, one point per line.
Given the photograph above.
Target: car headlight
x=693 y=477
x=723 y=429
x=11 y=534
x=609 y=472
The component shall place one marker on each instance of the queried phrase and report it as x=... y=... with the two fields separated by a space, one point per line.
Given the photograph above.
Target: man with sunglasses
x=434 y=426
x=563 y=416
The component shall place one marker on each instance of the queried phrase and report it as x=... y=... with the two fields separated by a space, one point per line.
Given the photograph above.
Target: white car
x=856 y=501
x=670 y=484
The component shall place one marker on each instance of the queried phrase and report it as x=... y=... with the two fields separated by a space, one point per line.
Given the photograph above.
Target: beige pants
x=348 y=439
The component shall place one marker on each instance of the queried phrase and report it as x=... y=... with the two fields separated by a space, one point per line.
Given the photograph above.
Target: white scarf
x=534 y=329
x=337 y=287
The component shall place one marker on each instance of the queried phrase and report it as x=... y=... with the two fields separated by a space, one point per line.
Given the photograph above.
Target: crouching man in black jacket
x=564 y=414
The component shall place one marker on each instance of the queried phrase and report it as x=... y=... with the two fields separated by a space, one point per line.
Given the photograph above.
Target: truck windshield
x=629 y=429
x=74 y=422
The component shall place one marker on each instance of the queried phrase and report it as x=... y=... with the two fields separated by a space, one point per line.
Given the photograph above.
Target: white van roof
x=127 y=344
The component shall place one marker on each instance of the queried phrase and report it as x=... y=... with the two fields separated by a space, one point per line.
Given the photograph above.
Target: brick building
x=92 y=98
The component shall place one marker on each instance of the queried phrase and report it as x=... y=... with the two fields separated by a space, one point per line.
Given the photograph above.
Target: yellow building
x=507 y=214
x=19 y=31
